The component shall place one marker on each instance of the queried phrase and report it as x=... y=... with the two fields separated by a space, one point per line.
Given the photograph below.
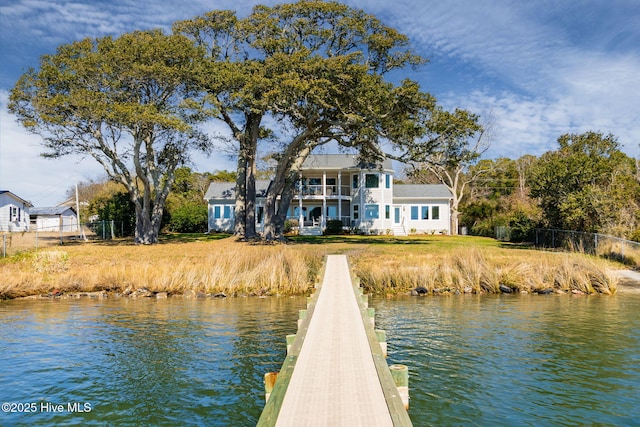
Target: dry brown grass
x=440 y=264
x=474 y=270
x=205 y=267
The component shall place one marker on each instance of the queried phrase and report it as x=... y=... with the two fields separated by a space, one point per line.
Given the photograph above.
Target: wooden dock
x=335 y=373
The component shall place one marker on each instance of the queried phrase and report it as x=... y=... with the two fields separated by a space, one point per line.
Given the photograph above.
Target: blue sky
x=537 y=69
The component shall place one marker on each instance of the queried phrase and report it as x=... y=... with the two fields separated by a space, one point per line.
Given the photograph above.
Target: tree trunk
x=240 y=214
x=250 y=226
x=145 y=233
x=270 y=229
x=285 y=201
x=283 y=184
x=245 y=214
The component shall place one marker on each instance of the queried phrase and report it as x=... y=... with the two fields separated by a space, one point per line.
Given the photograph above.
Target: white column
x=340 y=196
x=300 y=217
x=323 y=221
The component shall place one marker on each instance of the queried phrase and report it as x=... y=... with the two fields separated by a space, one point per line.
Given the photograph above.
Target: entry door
x=397 y=215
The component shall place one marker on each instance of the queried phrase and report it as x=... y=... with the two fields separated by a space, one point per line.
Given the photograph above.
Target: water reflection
x=490 y=360
x=517 y=360
x=143 y=362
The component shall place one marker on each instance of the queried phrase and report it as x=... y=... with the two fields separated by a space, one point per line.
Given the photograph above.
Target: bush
x=290 y=225
x=190 y=217
x=521 y=227
x=334 y=226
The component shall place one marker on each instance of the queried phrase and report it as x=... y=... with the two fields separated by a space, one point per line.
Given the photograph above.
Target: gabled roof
x=227 y=190
x=419 y=191
x=26 y=202
x=340 y=161
x=55 y=210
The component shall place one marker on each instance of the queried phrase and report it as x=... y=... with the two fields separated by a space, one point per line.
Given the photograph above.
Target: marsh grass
x=385 y=265
x=482 y=268
x=223 y=266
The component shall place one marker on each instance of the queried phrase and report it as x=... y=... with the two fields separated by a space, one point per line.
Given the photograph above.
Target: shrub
x=334 y=226
x=291 y=225
x=190 y=217
x=521 y=227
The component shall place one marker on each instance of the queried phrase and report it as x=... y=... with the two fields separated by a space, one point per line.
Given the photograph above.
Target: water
x=518 y=360
x=491 y=360
x=142 y=362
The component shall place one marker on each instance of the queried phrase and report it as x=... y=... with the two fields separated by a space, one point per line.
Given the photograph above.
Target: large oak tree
x=131 y=103
x=317 y=70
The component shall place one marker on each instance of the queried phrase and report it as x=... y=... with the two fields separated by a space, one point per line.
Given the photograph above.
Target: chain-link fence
x=14 y=242
x=603 y=245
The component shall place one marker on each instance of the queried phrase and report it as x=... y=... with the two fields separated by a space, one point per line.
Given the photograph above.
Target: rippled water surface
x=503 y=360
x=514 y=360
x=142 y=362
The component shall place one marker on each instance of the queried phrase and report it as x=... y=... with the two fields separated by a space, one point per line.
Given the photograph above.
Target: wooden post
x=400 y=374
x=269 y=382
x=372 y=316
x=290 y=340
x=382 y=339
x=302 y=314
x=365 y=300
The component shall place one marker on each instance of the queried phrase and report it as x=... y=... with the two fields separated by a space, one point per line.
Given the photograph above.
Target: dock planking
x=335 y=373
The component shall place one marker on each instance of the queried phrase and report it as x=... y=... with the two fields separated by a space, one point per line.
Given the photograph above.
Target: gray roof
x=227 y=190
x=416 y=191
x=26 y=202
x=339 y=161
x=56 y=210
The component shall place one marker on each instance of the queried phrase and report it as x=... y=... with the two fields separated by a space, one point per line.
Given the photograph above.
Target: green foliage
x=131 y=102
x=118 y=208
x=318 y=68
x=290 y=225
x=189 y=217
x=334 y=226
x=522 y=227
x=635 y=236
x=586 y=185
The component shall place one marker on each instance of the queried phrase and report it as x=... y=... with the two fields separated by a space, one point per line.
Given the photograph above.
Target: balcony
x=332 y=192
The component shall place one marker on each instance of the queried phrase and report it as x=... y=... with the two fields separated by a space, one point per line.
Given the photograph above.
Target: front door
x=397 y=215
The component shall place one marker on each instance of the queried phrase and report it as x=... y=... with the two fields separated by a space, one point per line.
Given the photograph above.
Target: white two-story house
x=336 y=187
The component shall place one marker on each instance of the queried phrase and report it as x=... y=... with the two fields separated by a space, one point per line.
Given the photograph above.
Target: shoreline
x=433 y=265
x=628 y=283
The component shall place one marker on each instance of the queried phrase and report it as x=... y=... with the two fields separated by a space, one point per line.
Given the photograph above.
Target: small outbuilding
x=57 y=219
x=14 y=212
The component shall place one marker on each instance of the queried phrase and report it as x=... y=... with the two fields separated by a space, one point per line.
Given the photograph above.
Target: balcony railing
x=332 y=190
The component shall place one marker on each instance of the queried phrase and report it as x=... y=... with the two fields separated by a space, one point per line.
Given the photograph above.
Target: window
x=425 y=212
x=387 y=212
x=371 y=180
x=356 y=211
x=435 y=212
x=228 y=209
x=414 y=212
x=216 y=212
x=387 y=181
x=371 y=211
x=354 y=180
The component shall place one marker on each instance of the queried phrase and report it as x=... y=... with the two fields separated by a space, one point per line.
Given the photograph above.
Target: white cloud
x=24 y=172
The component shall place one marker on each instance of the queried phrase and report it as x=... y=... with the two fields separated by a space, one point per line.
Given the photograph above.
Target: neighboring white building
x=14 y=212
x=58 y=218
x=336 y=187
